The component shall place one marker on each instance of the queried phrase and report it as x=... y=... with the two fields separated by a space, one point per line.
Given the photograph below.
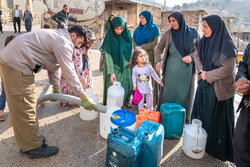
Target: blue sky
x=171 y=3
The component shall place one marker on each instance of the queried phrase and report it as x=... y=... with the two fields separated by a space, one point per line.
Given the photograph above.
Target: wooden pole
x=165 y=4
x=238 y=38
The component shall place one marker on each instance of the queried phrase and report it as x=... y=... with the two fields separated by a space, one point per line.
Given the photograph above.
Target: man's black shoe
x=44 y=151
x=43 y=140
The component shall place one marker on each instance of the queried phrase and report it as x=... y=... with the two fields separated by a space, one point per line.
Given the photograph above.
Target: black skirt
x=217 y=119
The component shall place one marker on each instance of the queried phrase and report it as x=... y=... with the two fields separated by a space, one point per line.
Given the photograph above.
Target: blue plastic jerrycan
x=173 y=119
x=152 y=135
x=123 y=148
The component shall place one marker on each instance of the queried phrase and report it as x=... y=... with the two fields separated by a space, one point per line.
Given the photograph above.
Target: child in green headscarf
x=117 y=48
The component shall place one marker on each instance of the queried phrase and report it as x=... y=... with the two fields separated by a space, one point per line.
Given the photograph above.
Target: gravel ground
x=79 y=141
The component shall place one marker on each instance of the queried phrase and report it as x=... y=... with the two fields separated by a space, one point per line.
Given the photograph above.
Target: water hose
x=67 y=98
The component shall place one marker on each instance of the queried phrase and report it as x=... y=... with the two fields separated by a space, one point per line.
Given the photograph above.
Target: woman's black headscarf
x=214 y=50
x=185 y=37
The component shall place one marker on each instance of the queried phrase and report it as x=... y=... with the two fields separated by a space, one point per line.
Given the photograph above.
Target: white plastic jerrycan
x=115 y=95
x=88 y=115
x=105 y=122
x=194 y=140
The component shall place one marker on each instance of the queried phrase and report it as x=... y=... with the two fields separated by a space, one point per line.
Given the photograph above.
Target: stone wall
x=130 y=12
x=193 y=18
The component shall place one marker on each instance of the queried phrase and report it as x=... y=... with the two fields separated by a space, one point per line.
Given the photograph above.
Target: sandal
x=127 y=105
x=2 y=118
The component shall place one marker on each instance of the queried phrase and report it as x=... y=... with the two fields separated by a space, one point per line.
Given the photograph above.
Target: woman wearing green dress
x=117 y=48
x=147 y=36
x=179 y=43
x=213 y=104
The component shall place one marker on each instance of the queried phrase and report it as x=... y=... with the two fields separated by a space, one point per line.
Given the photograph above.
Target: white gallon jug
x=88 y=115
x=115 y=95
x=194 y=140
x=105 y=121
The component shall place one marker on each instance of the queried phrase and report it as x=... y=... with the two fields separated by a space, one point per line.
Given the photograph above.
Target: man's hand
x=56 y=89
x=158 y=67
x=112 y=78
x=88 y=103
x=187 y=59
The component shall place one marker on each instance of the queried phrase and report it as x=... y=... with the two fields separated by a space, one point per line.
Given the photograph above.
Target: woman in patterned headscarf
x=213 y=105
x=117 y=48
x=179 y=43
x=147 y=36
x=82 y=67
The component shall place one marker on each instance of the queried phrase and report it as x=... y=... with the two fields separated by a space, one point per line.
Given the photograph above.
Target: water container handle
x=128 y=131
x=174 y=107
x=116 y=83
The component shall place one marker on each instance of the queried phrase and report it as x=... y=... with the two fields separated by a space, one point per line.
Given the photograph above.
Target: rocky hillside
x=240 y=9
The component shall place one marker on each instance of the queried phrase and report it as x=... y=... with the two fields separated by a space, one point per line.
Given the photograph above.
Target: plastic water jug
x=172 y=118
x=105 y=121
x=88 y=115
x=146 y=114
x=152 y=134
x=123 y=148
x=123 y=118
x=115 y=95
x=194 y=140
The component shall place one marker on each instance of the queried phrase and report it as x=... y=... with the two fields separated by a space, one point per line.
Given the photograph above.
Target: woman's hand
x=244 y=89
x=242 y=81
x=187 y=59
x=158 y=67
x=162 y=85
x=112 y=78
x=134 y=88
x=84 y=84
x=86 y=53
x=203 y=75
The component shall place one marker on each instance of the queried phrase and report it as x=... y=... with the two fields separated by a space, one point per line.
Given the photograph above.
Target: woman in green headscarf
x=117 y=48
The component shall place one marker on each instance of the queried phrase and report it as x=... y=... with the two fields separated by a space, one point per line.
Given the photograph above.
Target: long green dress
x=177 y=80
x=124 y=77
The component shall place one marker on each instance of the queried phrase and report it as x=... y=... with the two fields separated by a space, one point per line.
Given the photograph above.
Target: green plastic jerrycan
x=172 y=119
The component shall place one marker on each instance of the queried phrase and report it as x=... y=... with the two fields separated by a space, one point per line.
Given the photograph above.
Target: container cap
x=127 y=118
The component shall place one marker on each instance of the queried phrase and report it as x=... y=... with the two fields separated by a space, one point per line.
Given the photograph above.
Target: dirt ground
x=79 y=142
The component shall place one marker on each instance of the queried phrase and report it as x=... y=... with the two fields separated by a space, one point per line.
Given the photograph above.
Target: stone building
x=193 y=18
x=130 y=10
x=36 y=6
